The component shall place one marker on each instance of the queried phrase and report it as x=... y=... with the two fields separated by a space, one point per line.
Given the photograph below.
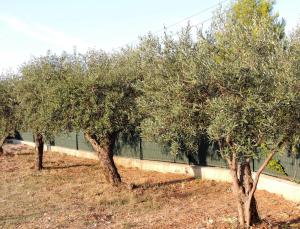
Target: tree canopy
x=9 y=119
x=174 y=90
x=92 y=93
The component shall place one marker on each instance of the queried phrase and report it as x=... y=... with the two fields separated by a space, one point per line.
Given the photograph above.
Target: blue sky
x=29 y=28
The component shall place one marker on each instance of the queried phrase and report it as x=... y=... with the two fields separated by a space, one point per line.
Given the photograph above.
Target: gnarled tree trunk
x=251 y=213
x=1 y=145
x=39 y=145
x=244 y=188
x=104 y=151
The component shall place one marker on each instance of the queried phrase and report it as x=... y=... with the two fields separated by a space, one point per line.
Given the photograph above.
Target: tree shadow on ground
x=16 y=148
x=7 y=154
x=161 y=184
x=16 y=152
x=19 y=218
x=294 y=223
x=68 y=166
x=25 y=153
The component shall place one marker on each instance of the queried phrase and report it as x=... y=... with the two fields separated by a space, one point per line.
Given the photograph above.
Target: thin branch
x=261 y=168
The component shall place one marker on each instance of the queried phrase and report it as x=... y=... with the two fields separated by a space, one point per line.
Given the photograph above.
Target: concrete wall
x=287 y=189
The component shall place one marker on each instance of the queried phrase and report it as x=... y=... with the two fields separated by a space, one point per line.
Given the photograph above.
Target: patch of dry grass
x=71 y=193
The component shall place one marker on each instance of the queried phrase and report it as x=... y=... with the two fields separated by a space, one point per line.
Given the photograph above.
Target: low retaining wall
x=287 y=189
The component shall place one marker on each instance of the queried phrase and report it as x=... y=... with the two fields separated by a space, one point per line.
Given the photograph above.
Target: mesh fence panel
x=27 y=136
x=83 y=144
x=207 y=155
x=290 y=165
x=66 y=140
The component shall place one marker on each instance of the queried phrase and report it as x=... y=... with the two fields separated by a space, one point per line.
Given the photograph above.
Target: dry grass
x=70 y=193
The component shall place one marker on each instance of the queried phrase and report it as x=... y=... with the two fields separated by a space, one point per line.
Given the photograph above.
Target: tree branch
x=261 y=168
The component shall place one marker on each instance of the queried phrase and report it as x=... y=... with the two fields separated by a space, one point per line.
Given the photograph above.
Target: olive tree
x=292 y=86
x=234 y=84
x=8 y=111
x=252 y=114
x=98 y=98
x=38 y=101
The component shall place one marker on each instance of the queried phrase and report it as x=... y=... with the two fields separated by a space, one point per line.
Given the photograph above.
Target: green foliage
x=92 y=93
x=36 y=93
x=253 y=104
x=276 y=166
x=292 y=93
x=235 y=84
x=243 y=11
x=174 y=90
x=9 y=121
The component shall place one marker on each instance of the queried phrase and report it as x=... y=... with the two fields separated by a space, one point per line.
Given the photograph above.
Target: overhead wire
x=183 y=20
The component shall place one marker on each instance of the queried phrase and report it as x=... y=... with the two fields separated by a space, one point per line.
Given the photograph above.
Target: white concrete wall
x=22 y=142
x=287 y=189
x=73 y=152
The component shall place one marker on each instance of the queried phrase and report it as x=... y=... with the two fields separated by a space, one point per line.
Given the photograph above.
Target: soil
x=71 y=193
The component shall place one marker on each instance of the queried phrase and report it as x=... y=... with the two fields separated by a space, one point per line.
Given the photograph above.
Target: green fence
x=27 y=136
x=290 y=165
x=82 y=143
x=144 y=150
x=68 y=141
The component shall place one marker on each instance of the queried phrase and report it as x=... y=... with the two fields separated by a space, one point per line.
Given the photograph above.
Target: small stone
x=231 y=220
x=210 y=221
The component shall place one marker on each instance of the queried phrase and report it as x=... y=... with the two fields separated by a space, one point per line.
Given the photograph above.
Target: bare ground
x=71 y=193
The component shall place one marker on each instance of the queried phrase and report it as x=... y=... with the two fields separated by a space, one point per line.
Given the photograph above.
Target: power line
x=189 y=17
x=182 y=20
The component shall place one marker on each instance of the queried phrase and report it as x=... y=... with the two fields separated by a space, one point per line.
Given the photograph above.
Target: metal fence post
x=141 y=149
x=76 y=139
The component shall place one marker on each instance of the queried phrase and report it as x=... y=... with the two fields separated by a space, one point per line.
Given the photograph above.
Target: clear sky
x=31 y=27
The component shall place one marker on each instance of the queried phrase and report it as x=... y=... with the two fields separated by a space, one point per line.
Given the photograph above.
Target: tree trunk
x=250 y=204
x=244 y=188
x=240 y=198
x=104 y=151
x=250 y=207
x=237 y=189
x=2 y=140
x=39 y=144
x=1 y=145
